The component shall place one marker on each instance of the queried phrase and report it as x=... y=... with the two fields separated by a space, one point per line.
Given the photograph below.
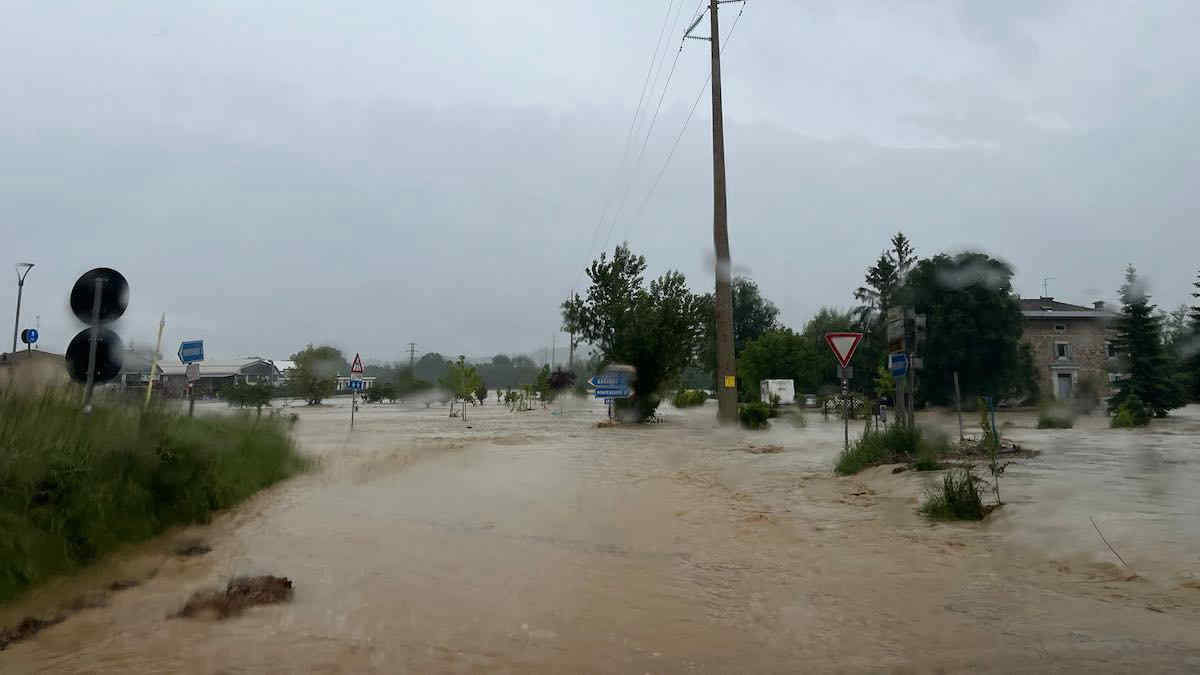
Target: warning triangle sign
x=843 y=345
x=356 y=367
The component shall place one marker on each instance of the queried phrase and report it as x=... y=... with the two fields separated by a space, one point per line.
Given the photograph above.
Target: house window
x=1060 y=328
x=1110 y=349
x=1062 y=351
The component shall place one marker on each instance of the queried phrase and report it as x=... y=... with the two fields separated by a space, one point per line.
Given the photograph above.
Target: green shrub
x=898 y=442
x=1055 y=417
x=689 y=398
x=73 y=488
x=958 y=498
x=1131 y=413
x=754 y=415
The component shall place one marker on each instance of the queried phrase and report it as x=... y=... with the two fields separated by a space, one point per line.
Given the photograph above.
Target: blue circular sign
x=29 y=336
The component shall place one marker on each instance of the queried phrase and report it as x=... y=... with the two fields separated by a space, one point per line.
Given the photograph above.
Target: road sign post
x=356 y=372
x=843 y=346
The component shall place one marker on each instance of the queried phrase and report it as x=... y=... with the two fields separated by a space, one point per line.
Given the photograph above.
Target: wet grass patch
x=75 y=487
x=957 y=498
x=897 y=443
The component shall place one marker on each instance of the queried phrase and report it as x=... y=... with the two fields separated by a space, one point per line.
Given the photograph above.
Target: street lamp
x=22 y=271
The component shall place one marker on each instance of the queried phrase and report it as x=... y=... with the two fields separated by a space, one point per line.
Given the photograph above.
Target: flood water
x=537 y=542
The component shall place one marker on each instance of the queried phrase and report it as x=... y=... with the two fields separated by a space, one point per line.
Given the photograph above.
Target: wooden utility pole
x=726 y=368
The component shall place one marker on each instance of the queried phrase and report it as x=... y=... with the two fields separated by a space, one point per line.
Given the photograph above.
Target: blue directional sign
x=192 y=350
x=898 y=364
x=614 y=380
x=357 y=385
x=611 y=385
x=29 y=336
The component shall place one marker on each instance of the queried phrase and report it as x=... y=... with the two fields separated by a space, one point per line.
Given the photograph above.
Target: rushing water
x=538 y=542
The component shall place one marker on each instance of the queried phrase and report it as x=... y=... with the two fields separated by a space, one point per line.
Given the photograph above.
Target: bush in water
x=754 y=415
x=957 y=499
x=688 y=398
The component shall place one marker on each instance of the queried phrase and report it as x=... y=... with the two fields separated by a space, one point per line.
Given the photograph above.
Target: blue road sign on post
x=898 y=364
x=29 y=336
x=357 y=385
x=611 y=385
x=192 y=350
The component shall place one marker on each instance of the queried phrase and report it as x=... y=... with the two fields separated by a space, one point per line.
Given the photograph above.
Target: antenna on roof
x=1046 y=286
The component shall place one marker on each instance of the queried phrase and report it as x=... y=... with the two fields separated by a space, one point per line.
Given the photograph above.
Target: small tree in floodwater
x=461 y=382
x=656 y=328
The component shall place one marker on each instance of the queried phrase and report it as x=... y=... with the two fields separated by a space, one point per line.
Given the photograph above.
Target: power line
x=637 y=165
x=695 y=105
x=628 y=140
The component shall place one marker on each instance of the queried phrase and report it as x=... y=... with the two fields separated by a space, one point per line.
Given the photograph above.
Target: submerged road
x=536 y=542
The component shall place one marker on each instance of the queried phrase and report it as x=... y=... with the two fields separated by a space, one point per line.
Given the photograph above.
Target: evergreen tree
x=1145 y=366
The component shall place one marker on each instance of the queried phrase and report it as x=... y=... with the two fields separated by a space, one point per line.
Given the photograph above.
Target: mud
x=193 y=548
x=239 y=594
x=539 y=543
x=28 y=627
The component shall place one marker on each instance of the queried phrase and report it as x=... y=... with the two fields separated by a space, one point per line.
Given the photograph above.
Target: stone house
x=1071 y=344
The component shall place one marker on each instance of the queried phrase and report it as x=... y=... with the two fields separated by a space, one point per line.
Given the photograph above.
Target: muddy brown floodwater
x=537 y=542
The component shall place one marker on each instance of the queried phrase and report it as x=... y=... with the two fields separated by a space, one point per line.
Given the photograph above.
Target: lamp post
x=22 y=271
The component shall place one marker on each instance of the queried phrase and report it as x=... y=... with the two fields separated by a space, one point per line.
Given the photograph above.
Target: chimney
x=1099 y=305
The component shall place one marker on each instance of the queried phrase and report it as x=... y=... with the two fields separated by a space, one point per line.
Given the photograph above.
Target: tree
x=974 y=326
x=655 y=329
x=1145 y=368
x=779 y=355
x=481 y=392
x=315 y=375
x=461 y=382
x=883 y=282
x=243 y=395
x=431 y=367
x=502 y=361
x=801 y=357
x=753 y=317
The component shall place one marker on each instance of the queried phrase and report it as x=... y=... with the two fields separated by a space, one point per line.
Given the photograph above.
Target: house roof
x=214 y=368
x=284 y=366
x=1049 y=308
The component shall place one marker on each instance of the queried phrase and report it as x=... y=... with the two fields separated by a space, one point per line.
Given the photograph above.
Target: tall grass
x=896 y=443
x=958 y=498
x=73 y=488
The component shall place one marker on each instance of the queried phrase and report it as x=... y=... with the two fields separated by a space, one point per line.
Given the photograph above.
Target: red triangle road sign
x=843 y=345
x=356 y=367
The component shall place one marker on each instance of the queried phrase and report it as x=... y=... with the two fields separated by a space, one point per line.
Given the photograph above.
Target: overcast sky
x=368 y=174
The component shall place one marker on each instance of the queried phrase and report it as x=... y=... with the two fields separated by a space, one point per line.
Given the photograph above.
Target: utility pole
x=723 y=310
x=412 y=353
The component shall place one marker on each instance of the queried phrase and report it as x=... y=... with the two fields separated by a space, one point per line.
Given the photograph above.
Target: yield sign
x=843 y=345
x=356 y=367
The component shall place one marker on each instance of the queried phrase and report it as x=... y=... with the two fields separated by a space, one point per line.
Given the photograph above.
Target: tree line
x=974 y=327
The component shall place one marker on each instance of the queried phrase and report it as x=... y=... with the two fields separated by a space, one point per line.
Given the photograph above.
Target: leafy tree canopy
x=974 y=326
x=655 y=329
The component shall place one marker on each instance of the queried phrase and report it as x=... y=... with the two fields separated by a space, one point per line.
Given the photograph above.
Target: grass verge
x=73 y=488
